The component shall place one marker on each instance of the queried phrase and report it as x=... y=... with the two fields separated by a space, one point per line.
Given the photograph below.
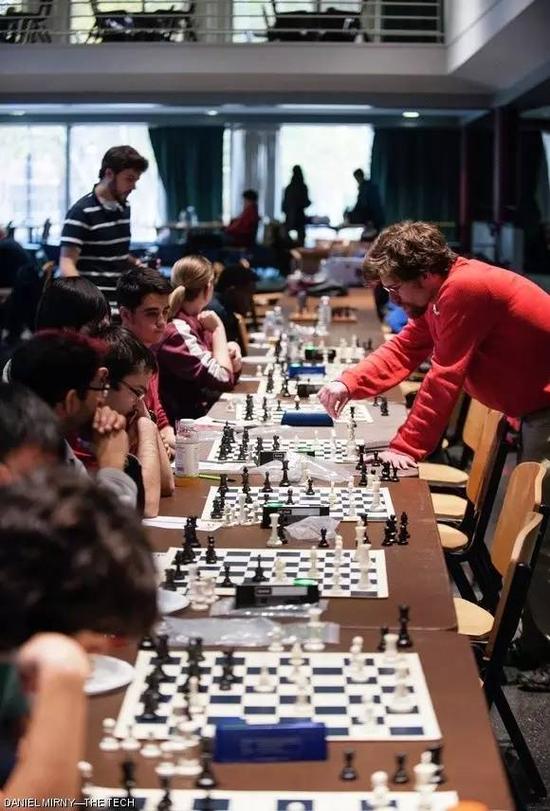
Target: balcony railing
x=221 y=21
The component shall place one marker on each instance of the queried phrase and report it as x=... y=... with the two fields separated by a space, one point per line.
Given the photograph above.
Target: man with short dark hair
x=96 y=232
x=242 y=230
x=77 y=577
x=30 y=434
x=67 y=370
x=368 y=209
x=143 y=302
x=233 y=294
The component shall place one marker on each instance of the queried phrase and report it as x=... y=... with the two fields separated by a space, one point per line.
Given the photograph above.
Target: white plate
x=107 y=674
x=170 y=601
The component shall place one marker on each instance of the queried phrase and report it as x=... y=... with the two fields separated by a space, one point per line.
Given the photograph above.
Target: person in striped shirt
x=96 y=231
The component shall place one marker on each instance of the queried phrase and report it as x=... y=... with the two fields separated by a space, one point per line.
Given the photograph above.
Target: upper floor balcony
x=308 y=22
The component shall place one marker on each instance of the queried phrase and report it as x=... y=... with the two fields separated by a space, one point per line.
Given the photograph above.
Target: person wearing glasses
x=487 y=331
x=131 y=366
x=67 y=371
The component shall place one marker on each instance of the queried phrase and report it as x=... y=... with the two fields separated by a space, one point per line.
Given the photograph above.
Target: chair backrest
x=243 y=331
x=473 y=424
x=485 y=457
x=522 y=552
x=523 y=496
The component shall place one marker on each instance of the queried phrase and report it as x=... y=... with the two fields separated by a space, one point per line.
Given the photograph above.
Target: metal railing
x=221 y=21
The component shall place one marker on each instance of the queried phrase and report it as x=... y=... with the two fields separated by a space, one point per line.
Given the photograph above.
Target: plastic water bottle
x=187 y=451
x=269 y=324
x=324 y=316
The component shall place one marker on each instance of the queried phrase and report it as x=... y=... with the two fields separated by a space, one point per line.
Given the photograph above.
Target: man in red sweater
x=487 y=330
x=242 y=230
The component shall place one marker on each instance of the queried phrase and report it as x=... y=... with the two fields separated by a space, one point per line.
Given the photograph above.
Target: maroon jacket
x=190 y=378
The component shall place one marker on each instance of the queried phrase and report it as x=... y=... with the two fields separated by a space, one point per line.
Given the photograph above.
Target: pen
x=215 y=477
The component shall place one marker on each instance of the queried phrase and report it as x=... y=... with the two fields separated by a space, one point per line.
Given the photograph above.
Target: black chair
x=19 y=28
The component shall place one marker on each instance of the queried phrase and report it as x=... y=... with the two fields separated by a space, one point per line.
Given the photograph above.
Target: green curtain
x=417 y=173
x=189 y=161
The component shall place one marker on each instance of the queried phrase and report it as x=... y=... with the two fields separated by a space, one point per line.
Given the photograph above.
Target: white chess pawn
x=391 y=654
x=188 y=767
x=358 y=642
x=130 y=743
x=302 y=706
x=336 y=580
x=242 y=507
x=313 y=571
x=266 y=683
x=332 y=498
x=165 y=768
x=109 y=743
x=366 y=714
x=194 y=701
x=380 y=792
x=86 y=772
x=338 y=548
x=296 y=655
x=274 y=539
x=314 y=641
x=258 y=370
x=401 y=700
x=151 y=749
x=276 y=645
x=363 y=584
x=352 y=509
x=198 y=596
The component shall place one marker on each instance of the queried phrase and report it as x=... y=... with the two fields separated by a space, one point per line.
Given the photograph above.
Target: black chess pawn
x=267 y=488
x=348 y=772
x=400 y=775
x=227 y=583
x=128 y=776
x=161 y=647
x=150 y=701
x=279 y=406
x=285 y=481
x=360 y=457
x=188 y=555
x=259 y=576
x=206 y=778
x=289 y=499
x=394 y=476
x=310 y=491
x=169 y=580
x=363 y=481
x=323 y=543
x=404 y=534
x=211 y=556
x=404 y=640
x=385 y=476
x=245 y=483
x=226 y=679
x=165 y=802
x=216 y=511
x=276 y=444
x=382 y=644
x=223 y=487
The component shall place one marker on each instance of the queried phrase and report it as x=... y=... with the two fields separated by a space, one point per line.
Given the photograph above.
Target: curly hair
x=407 y=249
x=72 y=558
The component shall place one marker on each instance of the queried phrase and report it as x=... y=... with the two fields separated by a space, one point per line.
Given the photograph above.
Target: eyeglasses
x=104 y=388
x=139 y=393
x=392 y=288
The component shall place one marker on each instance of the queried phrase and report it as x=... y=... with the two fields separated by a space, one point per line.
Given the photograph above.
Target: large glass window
x=328 y=155
x=32 y=181
x=89 y=143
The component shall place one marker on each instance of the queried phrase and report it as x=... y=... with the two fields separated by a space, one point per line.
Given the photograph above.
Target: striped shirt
x=101 y=231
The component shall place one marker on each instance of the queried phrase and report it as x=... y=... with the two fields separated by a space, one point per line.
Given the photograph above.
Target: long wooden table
x=471 y=759
x=417 y=576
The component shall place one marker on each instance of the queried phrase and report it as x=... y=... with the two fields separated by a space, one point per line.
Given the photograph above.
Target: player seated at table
x=30 y=434
x=196 y=361
x=233 y=293
x=76 y=577
x=72 y=303
x=67 y=370
x=143 y=298
x=242 y=230
x=131 y=365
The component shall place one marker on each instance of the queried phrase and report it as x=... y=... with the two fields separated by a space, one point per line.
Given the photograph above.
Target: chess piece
x=128 y=777
x=267 y=488
x=348 y=772
x=227 y=582
x=382 y=644
x=259 y=575
x=108 y=743
x=323 y=543
x=276 y=644
x=211 y=556
x=285 y=481
x=400 y=775
x=436 y=753
x=206 y=779
x=404 y=640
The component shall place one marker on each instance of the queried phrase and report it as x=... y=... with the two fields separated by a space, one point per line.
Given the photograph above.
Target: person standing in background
x=368 y=210
x=295 y=201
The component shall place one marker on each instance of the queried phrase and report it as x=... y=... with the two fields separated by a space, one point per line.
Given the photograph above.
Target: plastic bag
x=254 y=632
x=226 y=608
x=309 y=529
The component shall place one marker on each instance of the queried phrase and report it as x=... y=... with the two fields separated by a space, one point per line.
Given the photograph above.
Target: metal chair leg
x=519 y=743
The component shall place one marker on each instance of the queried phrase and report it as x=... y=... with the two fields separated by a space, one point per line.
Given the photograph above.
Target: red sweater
x=153 y=403
x=488 y=331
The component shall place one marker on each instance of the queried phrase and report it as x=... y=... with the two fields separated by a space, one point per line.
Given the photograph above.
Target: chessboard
x=194 y=800
x=298 y=565
x=330 y=450
x=340 y=315
x=363 y=502
x=271 y=411
x=356 y=700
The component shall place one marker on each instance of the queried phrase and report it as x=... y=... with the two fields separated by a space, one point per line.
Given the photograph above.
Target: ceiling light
x=18 y=112
x=410 y=114
x=212 y=112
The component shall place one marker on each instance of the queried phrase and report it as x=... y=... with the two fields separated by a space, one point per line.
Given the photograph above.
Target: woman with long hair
x=196 y=362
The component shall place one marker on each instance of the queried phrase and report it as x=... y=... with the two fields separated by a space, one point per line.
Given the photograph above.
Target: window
x=89 y=143
x=328 y=155
x=32 y=182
